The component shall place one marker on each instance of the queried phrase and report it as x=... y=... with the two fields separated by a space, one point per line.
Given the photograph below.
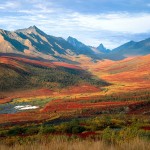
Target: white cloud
x=9 y=5
x=119 y=22
x=62 y=22
x=114 y=22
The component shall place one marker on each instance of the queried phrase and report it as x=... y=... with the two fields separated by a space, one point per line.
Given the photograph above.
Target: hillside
x=106 y=87
x=80 y=47
x=131 y=49
x=34 y=42
x=102 y=49
x=128 y=74
x=23 y=73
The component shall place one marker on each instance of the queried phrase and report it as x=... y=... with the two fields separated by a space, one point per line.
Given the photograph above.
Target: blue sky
x=111 y=22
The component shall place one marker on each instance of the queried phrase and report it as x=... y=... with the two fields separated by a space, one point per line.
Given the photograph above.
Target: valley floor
x=127 y=96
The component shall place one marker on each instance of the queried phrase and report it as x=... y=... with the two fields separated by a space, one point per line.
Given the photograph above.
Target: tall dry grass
x=76 y=144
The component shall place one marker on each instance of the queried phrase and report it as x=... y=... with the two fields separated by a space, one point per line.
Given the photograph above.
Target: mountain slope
x=34 y=42
x=102 y=49
x=22 y=73
x=129 y=78
x=80 y=47
x=133 y=49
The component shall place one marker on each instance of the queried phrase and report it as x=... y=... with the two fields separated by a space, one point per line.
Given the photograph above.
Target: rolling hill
x=22 y=73
x=125 y=75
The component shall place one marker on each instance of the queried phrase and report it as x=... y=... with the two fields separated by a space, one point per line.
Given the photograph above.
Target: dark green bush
x=16 y=131
x=77 y=129
x=32 y=130
x=48 y=129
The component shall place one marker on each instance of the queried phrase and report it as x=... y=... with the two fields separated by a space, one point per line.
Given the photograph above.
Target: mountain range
x=32 y=42
x=133 y=48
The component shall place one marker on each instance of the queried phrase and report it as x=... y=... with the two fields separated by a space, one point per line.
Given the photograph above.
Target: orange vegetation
x=24 y=117
x=128 y=74
x=62 y=64
x=75 y=104
x=15 y=61
x=25 y=94
x=80 y=89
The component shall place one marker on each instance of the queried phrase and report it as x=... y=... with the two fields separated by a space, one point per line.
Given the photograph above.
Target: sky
x=111 y=22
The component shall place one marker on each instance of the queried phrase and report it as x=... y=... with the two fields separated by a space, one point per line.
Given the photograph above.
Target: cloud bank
x=110 y=27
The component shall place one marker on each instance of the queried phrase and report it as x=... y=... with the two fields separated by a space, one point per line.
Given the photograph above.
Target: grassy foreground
x=106 y=132
x=65 y=143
